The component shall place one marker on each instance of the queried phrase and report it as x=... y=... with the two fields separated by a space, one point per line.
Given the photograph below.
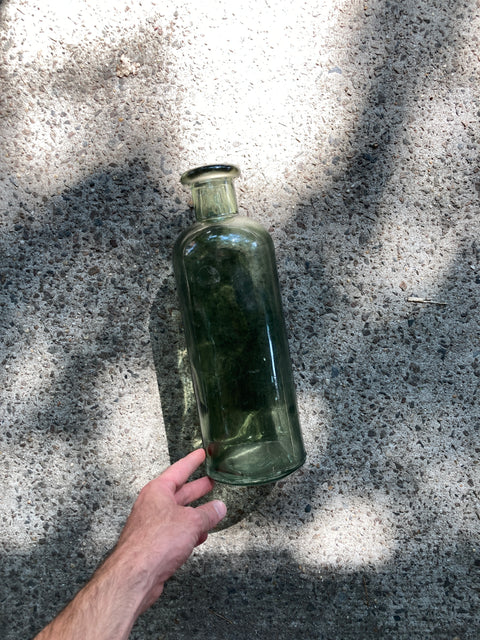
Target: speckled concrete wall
x=356 y=127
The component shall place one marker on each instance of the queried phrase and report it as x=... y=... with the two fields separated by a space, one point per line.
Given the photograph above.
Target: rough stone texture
x=356 y=126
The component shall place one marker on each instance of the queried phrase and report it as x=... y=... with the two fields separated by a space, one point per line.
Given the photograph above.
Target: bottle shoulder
x=232 y=230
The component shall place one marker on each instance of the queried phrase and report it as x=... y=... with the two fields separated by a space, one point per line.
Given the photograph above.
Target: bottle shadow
x=182 y=428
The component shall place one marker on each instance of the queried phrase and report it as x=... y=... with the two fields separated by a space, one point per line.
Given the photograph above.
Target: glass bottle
x=236 y=339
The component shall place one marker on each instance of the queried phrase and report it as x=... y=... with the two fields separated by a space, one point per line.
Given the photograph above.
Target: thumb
x=211 y=512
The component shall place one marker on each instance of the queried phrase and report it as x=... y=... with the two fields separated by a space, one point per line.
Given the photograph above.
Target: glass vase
x=236 y=339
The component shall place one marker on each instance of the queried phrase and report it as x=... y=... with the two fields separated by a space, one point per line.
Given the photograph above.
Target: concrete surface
x=356 y=126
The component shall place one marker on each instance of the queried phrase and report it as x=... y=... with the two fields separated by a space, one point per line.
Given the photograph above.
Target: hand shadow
x=178 y=402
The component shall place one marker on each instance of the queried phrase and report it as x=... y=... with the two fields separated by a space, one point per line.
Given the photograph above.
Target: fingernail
x=220 y=508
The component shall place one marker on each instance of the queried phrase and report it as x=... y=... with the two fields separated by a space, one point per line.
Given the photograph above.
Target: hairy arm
x=159 y=536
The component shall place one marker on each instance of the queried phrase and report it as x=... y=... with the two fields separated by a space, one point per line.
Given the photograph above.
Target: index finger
x=179 y=472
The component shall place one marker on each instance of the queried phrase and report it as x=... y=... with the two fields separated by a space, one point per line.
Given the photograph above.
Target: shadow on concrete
x=402 y=43
x=78 y=268
x=267 y=594
x=429 y=586
x=327 y=238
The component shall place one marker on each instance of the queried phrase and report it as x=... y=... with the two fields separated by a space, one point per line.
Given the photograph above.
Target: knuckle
x=195 y=518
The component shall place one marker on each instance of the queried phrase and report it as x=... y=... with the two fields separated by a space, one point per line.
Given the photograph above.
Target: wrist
x=113 y=599
x=128 y=577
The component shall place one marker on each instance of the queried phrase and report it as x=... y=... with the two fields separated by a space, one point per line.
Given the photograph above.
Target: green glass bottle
x=236 y=339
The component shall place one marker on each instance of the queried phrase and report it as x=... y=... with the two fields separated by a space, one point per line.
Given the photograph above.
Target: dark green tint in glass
x=232 y=314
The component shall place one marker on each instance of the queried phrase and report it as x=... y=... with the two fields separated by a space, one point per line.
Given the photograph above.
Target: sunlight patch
x=349 y=533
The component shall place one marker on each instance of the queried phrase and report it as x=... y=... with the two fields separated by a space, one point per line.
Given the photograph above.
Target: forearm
x=106 y=608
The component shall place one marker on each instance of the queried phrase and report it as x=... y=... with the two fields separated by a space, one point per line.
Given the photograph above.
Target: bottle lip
x=209 y=172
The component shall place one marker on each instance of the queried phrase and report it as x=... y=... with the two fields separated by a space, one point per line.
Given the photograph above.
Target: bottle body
x=237 y=344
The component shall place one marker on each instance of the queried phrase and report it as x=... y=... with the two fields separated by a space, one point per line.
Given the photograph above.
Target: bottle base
x=252 y=464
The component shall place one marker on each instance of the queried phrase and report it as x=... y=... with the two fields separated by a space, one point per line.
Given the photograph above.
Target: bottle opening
x=212 y=189
x=209 y=172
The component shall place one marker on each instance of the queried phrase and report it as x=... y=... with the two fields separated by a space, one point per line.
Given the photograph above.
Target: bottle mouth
x=209 y=172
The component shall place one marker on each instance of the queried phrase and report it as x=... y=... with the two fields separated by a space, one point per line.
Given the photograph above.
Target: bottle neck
x=214 y=198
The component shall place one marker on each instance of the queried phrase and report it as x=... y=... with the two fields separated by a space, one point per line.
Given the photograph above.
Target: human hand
x=162 y=531
x=160 y=534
